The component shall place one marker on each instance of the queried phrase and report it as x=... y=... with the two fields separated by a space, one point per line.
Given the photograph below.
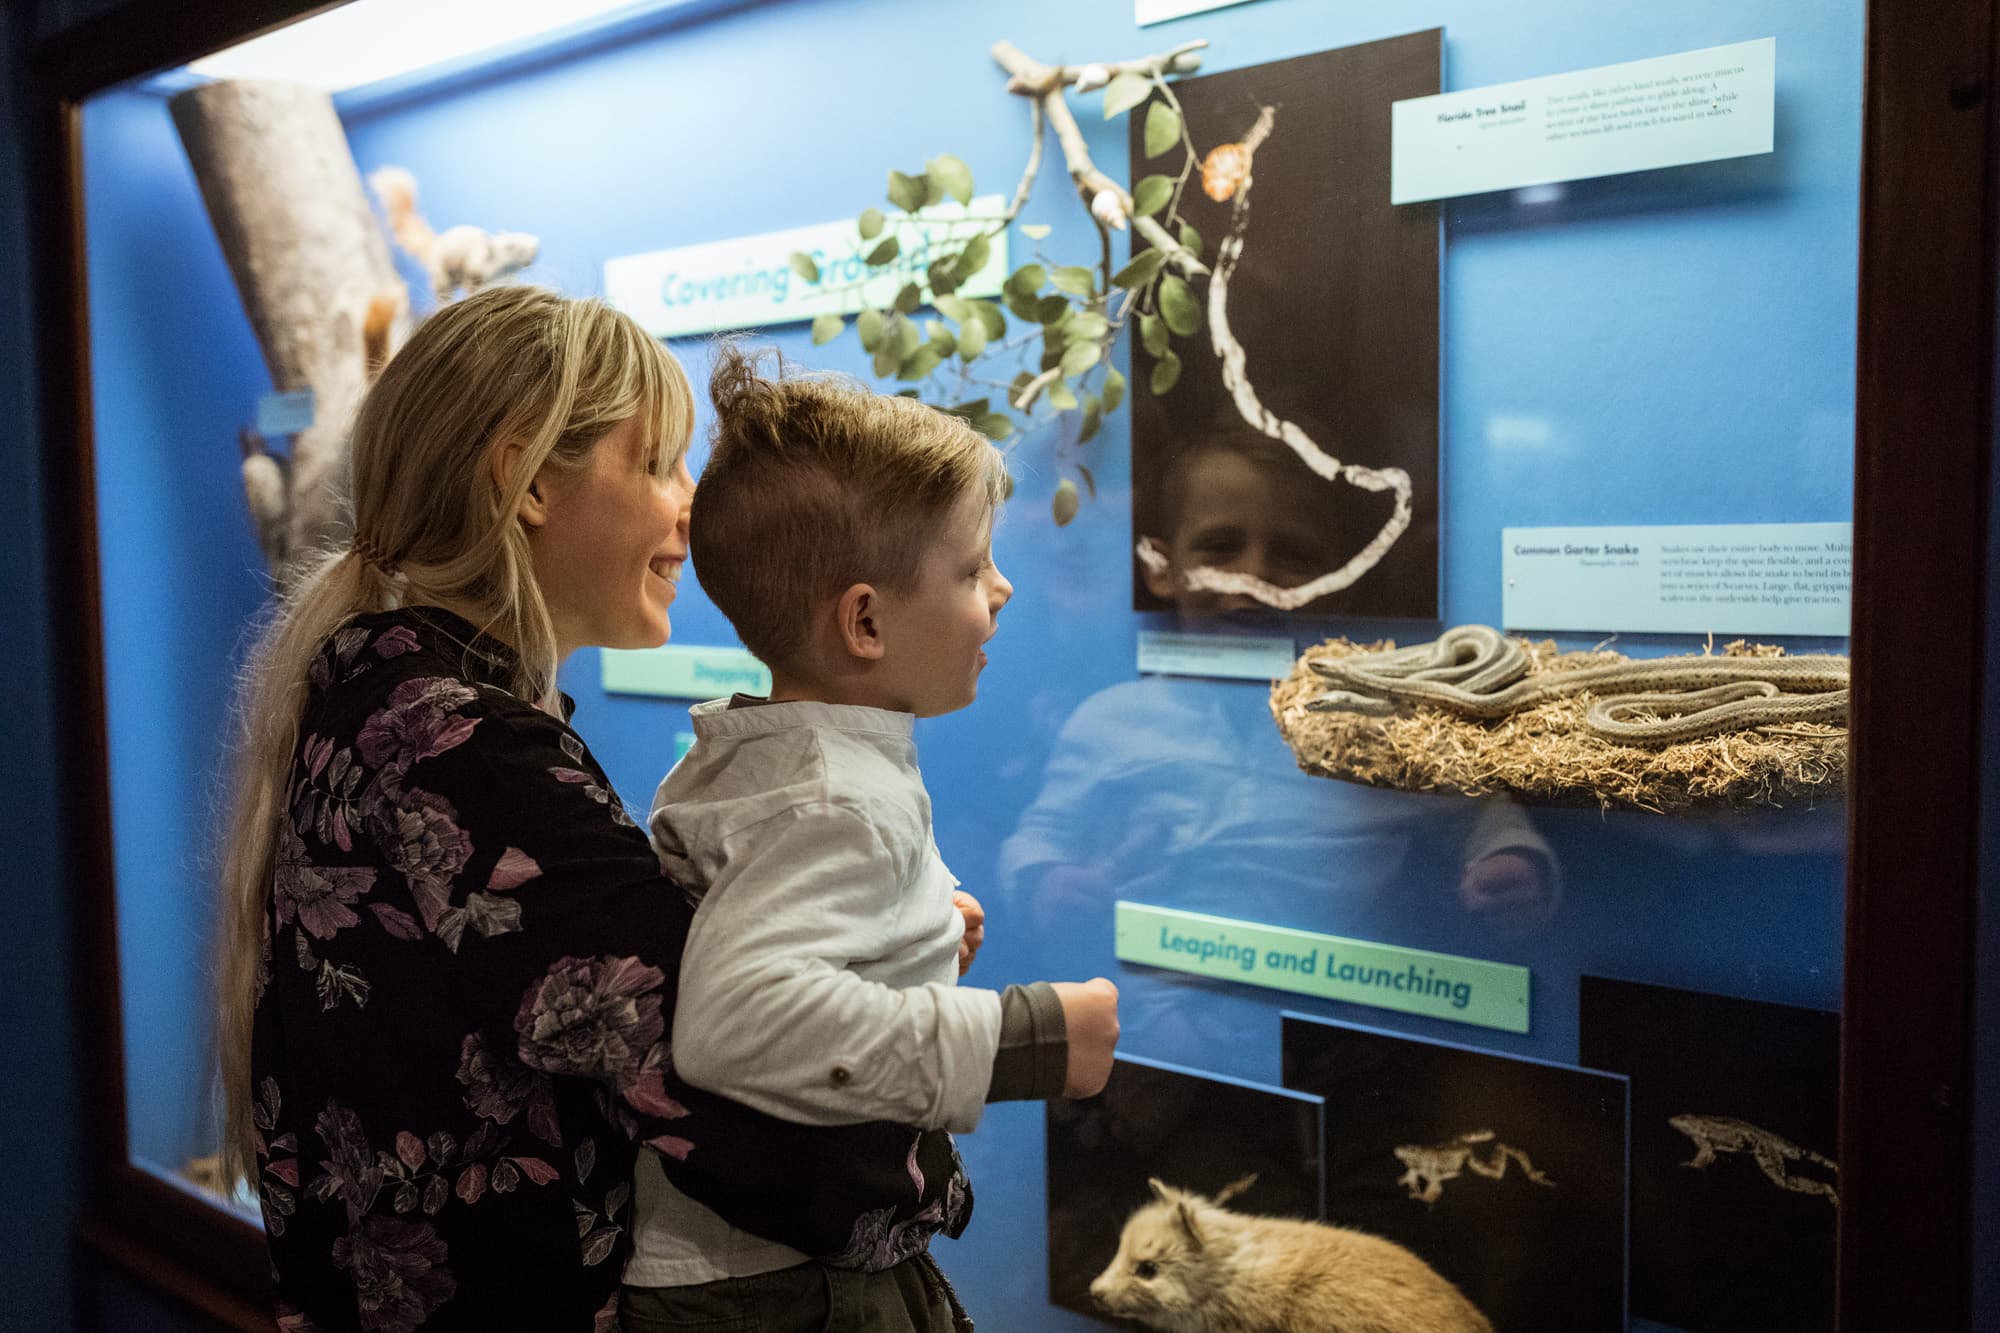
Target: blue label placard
x=286 y=413
x=679 y=672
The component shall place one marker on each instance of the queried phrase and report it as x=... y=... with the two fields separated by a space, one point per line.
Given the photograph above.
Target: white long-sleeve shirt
x=819 y=982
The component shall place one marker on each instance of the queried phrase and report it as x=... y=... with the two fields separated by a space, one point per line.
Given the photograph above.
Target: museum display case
x=1563 y=953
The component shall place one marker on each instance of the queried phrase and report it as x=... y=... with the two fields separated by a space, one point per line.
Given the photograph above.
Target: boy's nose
x=1003 y=591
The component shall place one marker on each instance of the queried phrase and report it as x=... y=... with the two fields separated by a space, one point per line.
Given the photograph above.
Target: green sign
x=675 y=672
x=1414 y=981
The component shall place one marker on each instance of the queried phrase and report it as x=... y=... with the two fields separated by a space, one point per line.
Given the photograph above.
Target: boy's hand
x=1090 y=1017
x=975 y=927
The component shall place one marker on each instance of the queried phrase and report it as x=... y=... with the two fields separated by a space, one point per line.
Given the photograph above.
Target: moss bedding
x=1546 y=755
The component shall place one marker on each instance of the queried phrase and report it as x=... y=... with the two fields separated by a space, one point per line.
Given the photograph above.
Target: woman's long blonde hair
x=511 y=366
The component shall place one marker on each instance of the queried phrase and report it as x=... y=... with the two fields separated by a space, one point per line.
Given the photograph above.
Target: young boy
x=847 y=536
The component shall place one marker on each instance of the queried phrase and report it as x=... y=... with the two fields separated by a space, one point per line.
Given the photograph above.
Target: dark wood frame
x=1923 y=441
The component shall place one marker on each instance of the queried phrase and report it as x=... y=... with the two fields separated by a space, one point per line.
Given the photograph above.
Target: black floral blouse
x=462 y=1023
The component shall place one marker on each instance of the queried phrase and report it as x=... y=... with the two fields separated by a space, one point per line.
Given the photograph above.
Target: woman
x=449 y=958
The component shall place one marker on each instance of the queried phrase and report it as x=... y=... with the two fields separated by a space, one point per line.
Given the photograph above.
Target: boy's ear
x=1160 y=582
x=857 y=617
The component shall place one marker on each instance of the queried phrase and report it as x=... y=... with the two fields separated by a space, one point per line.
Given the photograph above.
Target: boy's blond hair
x=814 y=484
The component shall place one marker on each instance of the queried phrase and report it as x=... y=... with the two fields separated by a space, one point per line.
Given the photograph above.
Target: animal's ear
x=1160 y=1190
x=1234 y=1188
x=1185 y=1212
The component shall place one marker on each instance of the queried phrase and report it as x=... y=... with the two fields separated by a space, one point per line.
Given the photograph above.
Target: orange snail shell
x=1225 y=168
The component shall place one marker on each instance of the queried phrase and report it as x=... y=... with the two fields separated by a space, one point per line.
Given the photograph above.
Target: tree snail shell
x=1225 y=168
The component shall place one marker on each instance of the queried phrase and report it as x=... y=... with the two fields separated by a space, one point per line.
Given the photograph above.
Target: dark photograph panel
x=1332 y=299
x=1506 y=1176
x=1734 y=1187
x=1191 y=1132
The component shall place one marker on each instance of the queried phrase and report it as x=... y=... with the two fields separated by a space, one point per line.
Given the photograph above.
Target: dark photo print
x=1298 y=472
x=1734 y=1187
x=1193 y=1133
x=1506 y=1176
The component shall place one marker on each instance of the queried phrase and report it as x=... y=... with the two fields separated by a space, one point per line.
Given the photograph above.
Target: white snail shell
x=1092 y=77
x=1108 y=209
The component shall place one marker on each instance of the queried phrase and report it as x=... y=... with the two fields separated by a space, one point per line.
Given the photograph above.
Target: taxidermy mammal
x=1188 y=1265
x=458 y=256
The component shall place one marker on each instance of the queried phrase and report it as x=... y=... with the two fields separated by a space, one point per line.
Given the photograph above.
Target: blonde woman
x=449 y=958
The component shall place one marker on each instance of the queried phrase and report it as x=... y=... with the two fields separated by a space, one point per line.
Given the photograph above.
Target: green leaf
x=943 y=275
x=887 y=357
x=1191 y=239
x=906 y=192
x=1074 y=278
x=1125 y=92
x=1088 y=325
x=952 y=176
x=871 y=223
x=1088 y=479
x=1140 y=271
x=1063 y=506
x=1153 y=334
x=907 y=339
x=1021 y=303
x=989 y=315
x=884 y=253
x=1150 y=195
x=909 y=299
x=1036 y=231
x=919 y=363
x=1163 y=128
x=804 y=265
x=1114 y=390
x=1166 y=373
x=1178 y=306
x=869 y=325
x=1061 y=396
x=954 y=307
x=1080 y=357
x=1027 y=279
x=996 y=426
x=940 y=337
x=971 y=339
x=1093 y=417
x=827 y=327
x=971 y=409
x=1051 y=309
x=933 y=189
x=977 y=252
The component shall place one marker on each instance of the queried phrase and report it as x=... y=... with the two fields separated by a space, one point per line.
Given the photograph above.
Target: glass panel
x=1646 y=1082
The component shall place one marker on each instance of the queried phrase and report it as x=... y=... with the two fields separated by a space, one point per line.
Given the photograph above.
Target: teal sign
x=1413 y=981
x=676 y=672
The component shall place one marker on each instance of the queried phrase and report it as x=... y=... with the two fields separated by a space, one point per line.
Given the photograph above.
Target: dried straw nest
x=1546 y=755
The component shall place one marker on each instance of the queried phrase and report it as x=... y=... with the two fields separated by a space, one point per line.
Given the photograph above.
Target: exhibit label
x=1699 y=106
x=1148 y=12
x=1731 y=578
x=749 y=282
x=677 y=672
x=1383 y=976
x=1217 y=656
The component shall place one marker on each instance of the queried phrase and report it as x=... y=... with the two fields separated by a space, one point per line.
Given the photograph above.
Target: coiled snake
x=1477 y=672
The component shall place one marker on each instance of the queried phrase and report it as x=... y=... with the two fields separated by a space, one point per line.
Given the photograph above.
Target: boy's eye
x=1145 y=1268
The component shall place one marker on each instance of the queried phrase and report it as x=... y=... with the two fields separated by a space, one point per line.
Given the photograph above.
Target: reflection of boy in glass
x=1239 y=502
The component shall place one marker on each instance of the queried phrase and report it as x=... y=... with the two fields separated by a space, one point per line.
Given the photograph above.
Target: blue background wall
x=1693 y=325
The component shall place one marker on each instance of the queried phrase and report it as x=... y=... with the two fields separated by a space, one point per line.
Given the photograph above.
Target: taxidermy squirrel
x=457 y=257
x=1186 y=1264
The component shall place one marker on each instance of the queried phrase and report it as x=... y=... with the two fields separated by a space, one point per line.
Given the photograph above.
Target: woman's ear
x=533 y=510
x=857 y=616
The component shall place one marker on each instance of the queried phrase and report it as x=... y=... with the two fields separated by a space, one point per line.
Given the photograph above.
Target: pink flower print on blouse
x=600 y=1018
x=497 y=1089
x=418 y=723
x=396 y=641
x=398 y=1271
x=419 y=836
x=318 y=897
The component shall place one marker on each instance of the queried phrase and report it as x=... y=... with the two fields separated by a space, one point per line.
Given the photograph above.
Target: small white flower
x=1092 y=77
x=1109 y=209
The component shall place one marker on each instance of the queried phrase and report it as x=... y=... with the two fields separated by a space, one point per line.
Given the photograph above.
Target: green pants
x=912 y=1297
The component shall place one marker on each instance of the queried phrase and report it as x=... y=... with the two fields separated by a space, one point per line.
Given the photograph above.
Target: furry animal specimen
x=1186 y=1264
x=458 y=257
